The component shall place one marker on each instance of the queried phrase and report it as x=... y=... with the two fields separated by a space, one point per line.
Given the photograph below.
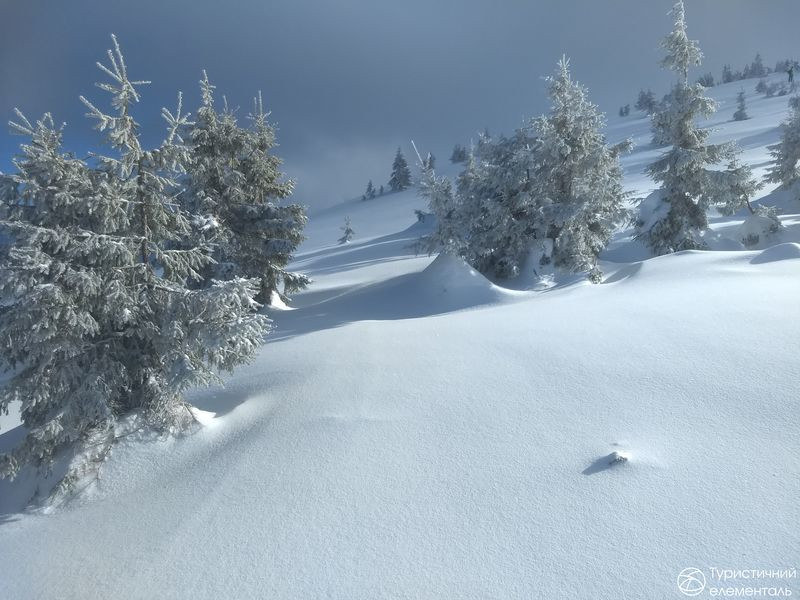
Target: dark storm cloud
x=349 y=80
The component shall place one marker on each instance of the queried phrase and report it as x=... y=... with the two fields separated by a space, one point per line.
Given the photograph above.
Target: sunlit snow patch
x=204 y=417
x=276 y=302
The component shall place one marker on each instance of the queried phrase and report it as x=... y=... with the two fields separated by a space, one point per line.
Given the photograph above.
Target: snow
x=780 y=252
x=413 y=430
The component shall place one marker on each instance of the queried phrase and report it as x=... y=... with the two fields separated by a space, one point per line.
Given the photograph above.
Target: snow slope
x=413 y=430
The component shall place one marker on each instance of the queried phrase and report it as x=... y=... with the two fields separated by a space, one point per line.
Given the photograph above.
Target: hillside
x=413 y=430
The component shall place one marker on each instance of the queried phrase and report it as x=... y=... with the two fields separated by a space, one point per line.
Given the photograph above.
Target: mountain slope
x=413 y=430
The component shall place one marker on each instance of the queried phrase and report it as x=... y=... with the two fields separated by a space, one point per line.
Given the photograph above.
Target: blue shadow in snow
x=603 y=464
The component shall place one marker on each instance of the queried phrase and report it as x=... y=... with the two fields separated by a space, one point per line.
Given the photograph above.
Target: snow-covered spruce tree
x=674 y=217
x=578 y=178
x=448 y=237
x=401 y=174
x=370 y=193
x=54 y=278
x=501 y=204
x=741 y=108
x=459 y=154
x=727 y=74
x=737 y=186
x=234 y=190
x=99 y=321
x=786 y=153
x=348 y=231
x=554 y=188
x=430 y=161
x=646 y=102
x=756 y=68
x=492 y=220
x=706 y=80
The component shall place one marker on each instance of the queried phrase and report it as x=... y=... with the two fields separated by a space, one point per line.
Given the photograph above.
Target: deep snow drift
x=413 y=430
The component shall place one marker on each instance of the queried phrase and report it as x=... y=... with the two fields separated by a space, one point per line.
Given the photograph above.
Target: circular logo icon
x=691 y=582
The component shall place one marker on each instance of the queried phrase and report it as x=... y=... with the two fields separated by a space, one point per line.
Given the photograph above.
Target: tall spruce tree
x=401 y=174
x=100 y=318
x=235 y=188
x=674 y=218
x=578 y=177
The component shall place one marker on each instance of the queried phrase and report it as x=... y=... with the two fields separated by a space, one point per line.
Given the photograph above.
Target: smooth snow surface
x=413 y=430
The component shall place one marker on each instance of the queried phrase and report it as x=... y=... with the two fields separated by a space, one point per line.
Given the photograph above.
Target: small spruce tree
x=756 y=68
x=727 y=74
x=646 y=102
x=400 y=178
x=741 y=108
x=459 y=154
x=348 y=231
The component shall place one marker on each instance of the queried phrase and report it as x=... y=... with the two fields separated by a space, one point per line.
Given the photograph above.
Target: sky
x=348 y=81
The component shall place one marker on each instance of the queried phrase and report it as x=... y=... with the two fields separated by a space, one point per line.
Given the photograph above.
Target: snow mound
x=720 y=242
x=448 y=275
x=758 y=228
x=786 y=251
x=608 y=461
